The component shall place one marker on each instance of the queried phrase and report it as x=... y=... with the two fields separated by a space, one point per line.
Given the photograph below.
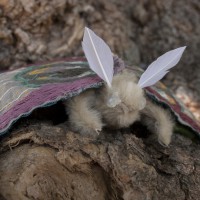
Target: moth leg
x=159 y=121
x=83 y=118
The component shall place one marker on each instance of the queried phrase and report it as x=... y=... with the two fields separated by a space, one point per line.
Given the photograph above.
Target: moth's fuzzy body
x=89 y=112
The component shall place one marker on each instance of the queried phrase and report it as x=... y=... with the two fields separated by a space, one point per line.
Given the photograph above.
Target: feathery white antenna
x=99 y=55
x=159 y=68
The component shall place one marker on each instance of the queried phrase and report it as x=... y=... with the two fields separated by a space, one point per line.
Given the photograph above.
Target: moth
x=122 y=100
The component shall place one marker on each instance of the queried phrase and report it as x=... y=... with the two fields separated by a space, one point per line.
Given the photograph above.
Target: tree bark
x=45 y=161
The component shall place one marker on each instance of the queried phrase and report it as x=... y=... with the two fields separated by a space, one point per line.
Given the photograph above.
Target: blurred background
x=137 y=31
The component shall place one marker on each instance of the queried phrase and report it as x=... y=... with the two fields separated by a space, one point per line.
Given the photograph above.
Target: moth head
x=125 y=90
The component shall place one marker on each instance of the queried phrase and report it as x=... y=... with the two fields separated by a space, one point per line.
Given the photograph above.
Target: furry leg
x=82 y=117
x=158 y=121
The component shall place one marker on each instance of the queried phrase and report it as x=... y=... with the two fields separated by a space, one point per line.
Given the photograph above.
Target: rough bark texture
x=45 y=161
